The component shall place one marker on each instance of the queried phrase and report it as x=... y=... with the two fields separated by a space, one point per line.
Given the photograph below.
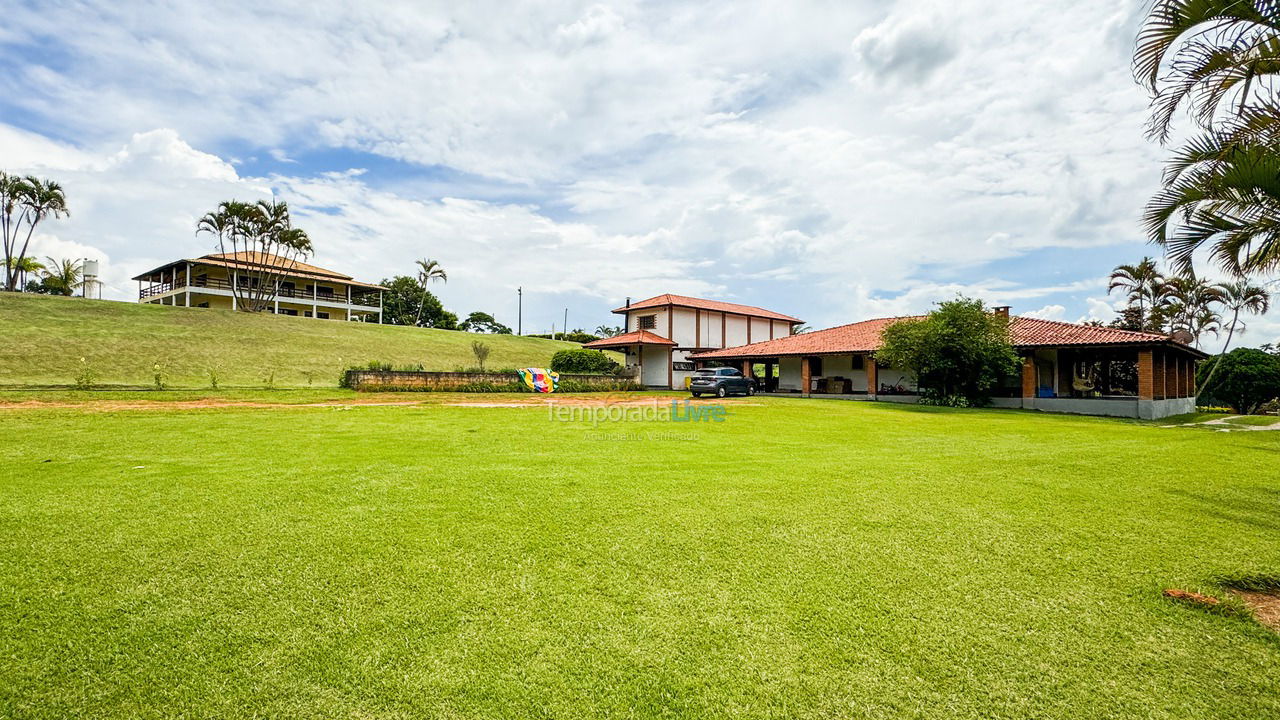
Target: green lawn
x=801 y=559
x=121 y=343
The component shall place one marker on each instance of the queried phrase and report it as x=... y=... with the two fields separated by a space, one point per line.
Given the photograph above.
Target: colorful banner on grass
x=540 y=379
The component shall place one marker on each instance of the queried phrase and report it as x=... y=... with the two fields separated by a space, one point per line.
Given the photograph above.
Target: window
x=322 y=315
x=730 y=372
x=288 y=311
x=857 y=363
x=815 y=366
x=647 y=322
x=203 y=305
x=681 y=366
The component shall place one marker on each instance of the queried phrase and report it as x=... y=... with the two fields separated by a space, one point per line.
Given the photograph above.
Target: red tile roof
x=635 y=337
x=701 y=304
x=864 y=337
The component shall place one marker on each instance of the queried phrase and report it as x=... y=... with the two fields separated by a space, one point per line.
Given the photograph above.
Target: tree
x=406 y=302
x=63 y=277
x=1248 y=379
x=428 y=271
x=1214 y=50
x=1238 y=297
x=605 y=331
x=1223 y=193
x=24 y=267
x=1131 y=318
x=483 y=322
x=1142 y=284
x=25 y=201
x=581 y=360
x=1188 y=305
x=959 y=352
x=481 y=351
x=1222 y=188
x=261 y=246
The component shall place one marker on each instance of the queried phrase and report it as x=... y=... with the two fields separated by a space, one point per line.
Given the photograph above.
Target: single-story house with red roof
x=663 y=332
x=1067 y=367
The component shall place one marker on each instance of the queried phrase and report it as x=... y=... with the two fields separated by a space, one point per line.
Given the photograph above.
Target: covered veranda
x=646 y=354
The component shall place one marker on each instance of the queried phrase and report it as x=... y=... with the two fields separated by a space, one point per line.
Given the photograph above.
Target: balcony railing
x=365 y=298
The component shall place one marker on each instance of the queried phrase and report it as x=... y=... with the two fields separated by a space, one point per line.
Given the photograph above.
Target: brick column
x=804 y=375
x=873 y=377
x=1159 y=376
x=1029 y=376
x=746 y=367
x=1146 y=375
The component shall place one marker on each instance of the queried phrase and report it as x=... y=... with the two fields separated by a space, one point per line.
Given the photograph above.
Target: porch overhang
x=631 y=339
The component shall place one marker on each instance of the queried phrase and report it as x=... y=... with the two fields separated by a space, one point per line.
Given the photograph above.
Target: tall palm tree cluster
x=1219 y=61
x=1183 y=303
x=261 y=246
x=25 y=201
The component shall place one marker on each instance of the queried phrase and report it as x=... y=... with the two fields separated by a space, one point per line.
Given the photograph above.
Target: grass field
x=800 y=559
x=46 y=337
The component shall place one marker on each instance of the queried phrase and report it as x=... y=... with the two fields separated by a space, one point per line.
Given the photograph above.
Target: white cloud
x=1048 y=312
x=834 y=161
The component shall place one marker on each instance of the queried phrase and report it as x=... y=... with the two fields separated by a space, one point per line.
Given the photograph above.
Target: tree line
x=1183 y=304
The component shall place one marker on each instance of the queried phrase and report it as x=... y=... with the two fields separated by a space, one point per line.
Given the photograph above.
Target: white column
x=348 y=303
x=233 y=289
x=188 y=285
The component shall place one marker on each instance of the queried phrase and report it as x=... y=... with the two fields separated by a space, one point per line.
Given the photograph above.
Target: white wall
x=655 y=365
x=789 y=373
x=735 y=330
x=684 y=328
x=759 y=330
x=660 y=326
x=892 y=376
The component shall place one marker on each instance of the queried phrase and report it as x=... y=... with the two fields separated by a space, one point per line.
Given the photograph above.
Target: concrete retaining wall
x=409 y=381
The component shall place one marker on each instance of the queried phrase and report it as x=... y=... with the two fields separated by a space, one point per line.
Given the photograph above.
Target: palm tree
x=428 y=270
x=24 y=267
x=1220 y=59
x=1238 y=297
x=1213 y=50
x=1143 y=284
x=1222 y=190
x=1242 y=296
x=1189 y=303
x=64 y=276
x=37 y=199
x=247 y=234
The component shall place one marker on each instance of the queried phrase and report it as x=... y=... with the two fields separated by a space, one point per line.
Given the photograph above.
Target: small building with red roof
x=662 y=333
x=1066 y=367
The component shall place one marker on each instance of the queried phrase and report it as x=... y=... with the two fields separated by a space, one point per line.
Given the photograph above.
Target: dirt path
x=1226 y=423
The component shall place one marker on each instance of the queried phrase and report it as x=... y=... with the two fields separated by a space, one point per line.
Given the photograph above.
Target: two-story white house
x=663 y=331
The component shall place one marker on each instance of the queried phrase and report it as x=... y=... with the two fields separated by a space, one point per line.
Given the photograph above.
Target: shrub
x=87 y=376
x=1247 y=380
x=960 y=350
x=582 y=361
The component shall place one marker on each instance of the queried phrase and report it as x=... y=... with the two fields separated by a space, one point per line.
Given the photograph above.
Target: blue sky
x=830 y=160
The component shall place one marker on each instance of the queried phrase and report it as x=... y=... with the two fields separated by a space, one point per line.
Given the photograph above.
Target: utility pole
x=565 y=328
x=520 y=310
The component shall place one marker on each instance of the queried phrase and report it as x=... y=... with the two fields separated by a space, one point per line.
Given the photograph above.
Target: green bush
x=1247 y=380
x=584 y=362
x=959 y=352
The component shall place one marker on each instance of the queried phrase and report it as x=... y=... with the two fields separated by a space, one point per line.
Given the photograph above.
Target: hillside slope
x=42 y=341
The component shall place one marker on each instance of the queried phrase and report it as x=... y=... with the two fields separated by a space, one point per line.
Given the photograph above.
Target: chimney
x=628 y=301
x=1001 y=310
